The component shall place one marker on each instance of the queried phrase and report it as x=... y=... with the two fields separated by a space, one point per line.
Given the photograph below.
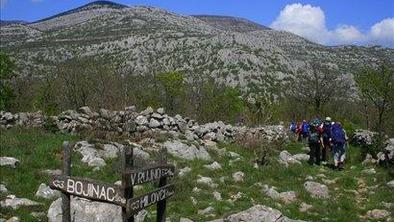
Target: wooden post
x=127 y=163
x=66 y=172
x=161 y=205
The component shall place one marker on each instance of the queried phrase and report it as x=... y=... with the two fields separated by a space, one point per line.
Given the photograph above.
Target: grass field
x=39 y=150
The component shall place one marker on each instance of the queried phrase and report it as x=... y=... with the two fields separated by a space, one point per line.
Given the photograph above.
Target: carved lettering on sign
x=88 y=189
x=150 y=174
x=136 y=204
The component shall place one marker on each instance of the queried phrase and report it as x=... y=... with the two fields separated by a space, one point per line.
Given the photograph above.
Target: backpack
x=338 y=135
x=326 y=131
x=314 y=135
x=293 y=127
x=305 y=128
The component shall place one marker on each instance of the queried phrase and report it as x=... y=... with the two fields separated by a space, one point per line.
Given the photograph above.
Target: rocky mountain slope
x=145 y=40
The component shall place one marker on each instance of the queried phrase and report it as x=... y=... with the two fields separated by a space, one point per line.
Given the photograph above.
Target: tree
x=174 y=88
x=7 y=67
x=377 y=86
x=317 y=85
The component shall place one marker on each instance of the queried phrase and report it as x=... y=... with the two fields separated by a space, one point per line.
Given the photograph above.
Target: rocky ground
x=218 y=178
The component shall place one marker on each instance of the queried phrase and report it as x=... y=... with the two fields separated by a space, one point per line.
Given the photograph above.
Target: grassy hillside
x=352 y=193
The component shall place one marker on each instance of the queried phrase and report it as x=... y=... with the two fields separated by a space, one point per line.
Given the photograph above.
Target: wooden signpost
x=114 y=194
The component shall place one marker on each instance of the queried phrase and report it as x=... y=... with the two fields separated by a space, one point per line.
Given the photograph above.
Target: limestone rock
x=305 y=207
x=109 y=151
x=185 y=220
x=377 y=214
x=390 y=184
x=90 y=211
x=46 y=192
x=286 y=158
x=207 y=210
x=316 y=189
x=3 y=188
x=206 y=180
x=184 y=171
x=9 y=161
x=217 y=195
x=14 y=202
x=238 y=176
x=213 y=166
x=258 y=213
x=153 y=123
x=184 y=151
x=141 y=120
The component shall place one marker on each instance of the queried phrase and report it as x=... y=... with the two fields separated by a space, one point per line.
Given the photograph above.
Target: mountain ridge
x=146 y=40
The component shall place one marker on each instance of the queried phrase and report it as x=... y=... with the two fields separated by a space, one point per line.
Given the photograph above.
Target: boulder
x=46 y=192
x=148 y=111
x=184 y=151
x=9 y=162
x=86 y=110
x=109 y=151
x=259 y=213
x=15 y=203
x=316 y=189
x=97 y=162
x=286 y=197
x=301 y=157
x=160 y=111
x=141 y=120
x=90 y=211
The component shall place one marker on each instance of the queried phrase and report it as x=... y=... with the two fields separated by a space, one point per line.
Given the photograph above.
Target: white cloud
x=309 y=22
x=347 y=34
x=303 y=20
x=383 y=32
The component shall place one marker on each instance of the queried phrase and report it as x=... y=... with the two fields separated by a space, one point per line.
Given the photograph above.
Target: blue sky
x=325 y=21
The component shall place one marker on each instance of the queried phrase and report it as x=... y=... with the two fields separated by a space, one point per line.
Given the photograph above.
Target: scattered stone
x=286 y=197
x=258 y=213
x=217 y=196
x=97 y=162
x=196 y=190
x=153 y=123
x=301 y=157
x=286 y=158
x=388 y=205
x=316 y=189
x=235 y=197
x=213 y=166
x=184 y=151
x=109 y=151
x=3 y=188
x=52 y=172
x=377 y=214
x=185 y=220
x=238 y=176
x=206 y=180
x=46 y=192
x=194 y=201
x=369 y=171
x=207 y=210
x=309 y=177
x=160 y=111
x=305 y=207
x=13 y=219
x=9 y=161
x=184 y=171
x=391 y=184
x=38 y=215
x=13 y=202
x=369 y=160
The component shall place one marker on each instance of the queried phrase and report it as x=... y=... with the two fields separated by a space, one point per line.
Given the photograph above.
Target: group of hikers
x=323 y=137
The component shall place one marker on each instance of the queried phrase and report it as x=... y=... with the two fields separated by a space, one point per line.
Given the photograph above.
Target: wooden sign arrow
x=138 y=203
x=149 y=174
x=89 y=189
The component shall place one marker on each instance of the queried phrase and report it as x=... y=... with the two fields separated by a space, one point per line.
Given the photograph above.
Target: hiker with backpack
x=315 y=142
x=305 y=130
x=327 y=137
x=338 y=140
x=299 y=131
